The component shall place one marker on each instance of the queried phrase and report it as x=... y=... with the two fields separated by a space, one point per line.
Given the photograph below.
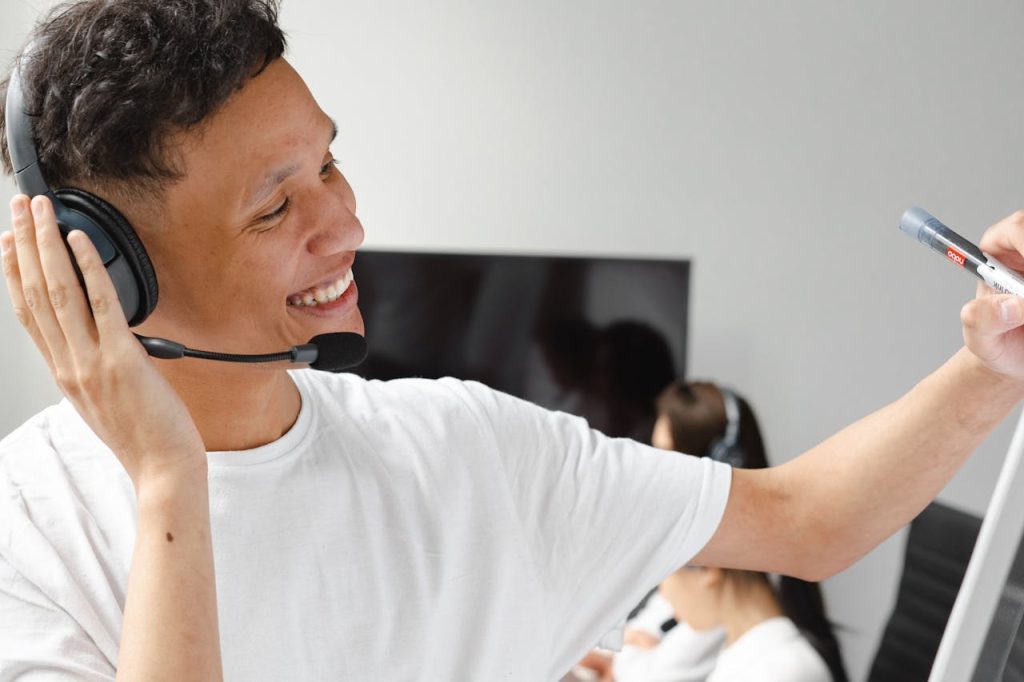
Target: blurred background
x=774 y=145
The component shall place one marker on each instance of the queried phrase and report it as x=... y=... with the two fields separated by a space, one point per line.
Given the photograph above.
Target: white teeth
x=322 y=295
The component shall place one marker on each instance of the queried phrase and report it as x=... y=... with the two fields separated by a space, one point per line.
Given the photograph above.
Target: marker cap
x=915 y=223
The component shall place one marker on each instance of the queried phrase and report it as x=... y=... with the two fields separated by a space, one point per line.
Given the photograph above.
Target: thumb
x=987 y=319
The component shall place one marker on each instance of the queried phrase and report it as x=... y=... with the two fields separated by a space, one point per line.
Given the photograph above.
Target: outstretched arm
x=820 y=512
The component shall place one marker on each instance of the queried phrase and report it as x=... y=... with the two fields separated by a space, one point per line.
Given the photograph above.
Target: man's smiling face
x=253 y=248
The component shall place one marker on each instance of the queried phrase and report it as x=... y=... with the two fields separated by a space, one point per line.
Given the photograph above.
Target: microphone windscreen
x=338 y=351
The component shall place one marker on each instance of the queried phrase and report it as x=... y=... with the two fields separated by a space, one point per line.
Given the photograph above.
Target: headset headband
x=20 y=145
x=119 y=248
x=732 y=417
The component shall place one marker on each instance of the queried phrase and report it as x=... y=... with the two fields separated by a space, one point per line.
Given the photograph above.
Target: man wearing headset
x=187 y=521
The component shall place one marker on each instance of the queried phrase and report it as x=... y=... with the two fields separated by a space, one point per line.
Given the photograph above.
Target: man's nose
x=339 y=230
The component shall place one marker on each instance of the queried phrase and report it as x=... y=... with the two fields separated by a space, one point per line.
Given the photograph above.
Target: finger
x=65 y=293
x=985 y=290
x=33 y=283
x=14 y=292
x=986 y=320
x=111 y=324
x=1005 y=241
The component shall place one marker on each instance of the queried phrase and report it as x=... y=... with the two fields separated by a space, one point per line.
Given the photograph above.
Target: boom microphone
x=332 y=352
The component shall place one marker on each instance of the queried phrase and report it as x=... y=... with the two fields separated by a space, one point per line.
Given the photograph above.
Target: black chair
x=938 y=549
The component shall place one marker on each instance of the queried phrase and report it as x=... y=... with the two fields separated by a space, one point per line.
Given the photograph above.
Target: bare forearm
x=170 y=619
x=867 y=481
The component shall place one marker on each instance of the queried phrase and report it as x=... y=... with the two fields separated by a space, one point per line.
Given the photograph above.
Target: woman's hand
x=640 y=638
x=95 y=359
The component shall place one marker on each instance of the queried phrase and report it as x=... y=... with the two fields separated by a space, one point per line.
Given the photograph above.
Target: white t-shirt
x=403 y=530
x=771 y=651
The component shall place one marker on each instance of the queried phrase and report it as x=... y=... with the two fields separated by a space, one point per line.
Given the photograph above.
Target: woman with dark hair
x=776 y=629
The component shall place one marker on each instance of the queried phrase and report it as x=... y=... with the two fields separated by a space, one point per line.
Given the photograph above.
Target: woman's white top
x=682 y=655
x=772 y=651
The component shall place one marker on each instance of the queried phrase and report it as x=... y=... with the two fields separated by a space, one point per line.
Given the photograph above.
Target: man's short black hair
x=107 y=82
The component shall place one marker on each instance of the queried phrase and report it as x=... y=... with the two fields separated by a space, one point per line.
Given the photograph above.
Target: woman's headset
x=120 y=248
x=726 y=448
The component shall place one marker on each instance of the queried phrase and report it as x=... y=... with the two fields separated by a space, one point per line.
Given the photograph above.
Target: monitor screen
x=597 y=337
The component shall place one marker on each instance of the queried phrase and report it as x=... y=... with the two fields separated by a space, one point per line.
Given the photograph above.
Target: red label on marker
x=955 y=256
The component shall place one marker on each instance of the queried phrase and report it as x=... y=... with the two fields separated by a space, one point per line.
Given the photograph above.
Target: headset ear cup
x=734 y=457
x=720 y=451
x=726 y=448
x=716 y=450
x=126 y=241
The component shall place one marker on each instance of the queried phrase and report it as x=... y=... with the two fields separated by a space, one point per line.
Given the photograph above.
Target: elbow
x=821 y=554
x=818 y=571
x=785 y=530
x=817 y=568
x=813 y=570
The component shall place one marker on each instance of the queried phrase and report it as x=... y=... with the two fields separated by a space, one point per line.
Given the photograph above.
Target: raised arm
x=820 y=512
x=169 y=630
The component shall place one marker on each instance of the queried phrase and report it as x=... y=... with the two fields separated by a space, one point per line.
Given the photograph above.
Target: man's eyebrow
x=276 y=177
x=267 y=185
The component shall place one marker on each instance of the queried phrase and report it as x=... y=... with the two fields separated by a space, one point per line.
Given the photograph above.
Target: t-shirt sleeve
x=606 y=519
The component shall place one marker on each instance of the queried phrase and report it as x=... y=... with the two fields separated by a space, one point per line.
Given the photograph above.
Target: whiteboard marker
x=927 y=229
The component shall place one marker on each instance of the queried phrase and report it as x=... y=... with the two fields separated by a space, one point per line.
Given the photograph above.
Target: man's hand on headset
x=96 y=360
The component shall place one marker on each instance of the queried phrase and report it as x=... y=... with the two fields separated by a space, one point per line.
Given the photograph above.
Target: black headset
x=120 y=248
x=726 y=448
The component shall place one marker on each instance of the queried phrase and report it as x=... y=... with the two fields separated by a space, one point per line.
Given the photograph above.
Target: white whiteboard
x=994 y=553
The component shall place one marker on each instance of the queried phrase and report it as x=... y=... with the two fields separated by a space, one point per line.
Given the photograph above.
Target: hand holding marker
x=927 y=229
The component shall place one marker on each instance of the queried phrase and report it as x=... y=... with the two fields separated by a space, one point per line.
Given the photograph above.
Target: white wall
x=776 y=144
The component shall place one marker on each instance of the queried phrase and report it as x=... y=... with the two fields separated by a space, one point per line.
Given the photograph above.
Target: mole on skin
x=170 y=538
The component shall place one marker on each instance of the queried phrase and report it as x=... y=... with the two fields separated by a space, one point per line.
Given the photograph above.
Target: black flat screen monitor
x=597 y=337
